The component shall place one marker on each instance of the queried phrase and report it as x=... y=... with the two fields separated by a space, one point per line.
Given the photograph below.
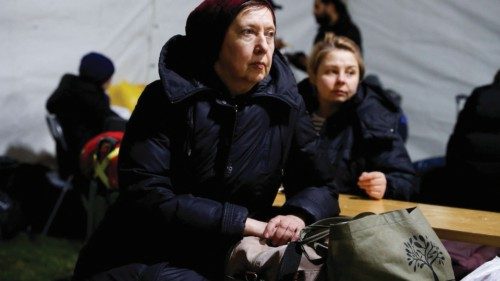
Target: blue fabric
x=425 y=165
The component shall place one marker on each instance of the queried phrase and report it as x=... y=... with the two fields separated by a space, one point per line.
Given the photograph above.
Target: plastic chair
x=55 y=179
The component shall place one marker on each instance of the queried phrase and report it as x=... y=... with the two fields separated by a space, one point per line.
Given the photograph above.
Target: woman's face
x=337 y=77
x=247 y=51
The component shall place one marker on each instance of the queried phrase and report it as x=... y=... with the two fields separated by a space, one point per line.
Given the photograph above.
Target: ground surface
x=37 y=259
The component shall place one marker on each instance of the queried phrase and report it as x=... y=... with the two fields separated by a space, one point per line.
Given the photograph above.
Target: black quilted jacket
x=195 y=163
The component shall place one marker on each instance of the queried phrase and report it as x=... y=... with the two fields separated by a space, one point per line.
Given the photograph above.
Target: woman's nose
x=341 y=78
x=262 y=45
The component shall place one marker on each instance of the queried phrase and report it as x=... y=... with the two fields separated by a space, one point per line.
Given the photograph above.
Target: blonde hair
x=328 y=44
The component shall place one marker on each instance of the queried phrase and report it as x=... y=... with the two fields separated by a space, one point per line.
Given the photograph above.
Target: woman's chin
x=339 y=99
x=256 y=77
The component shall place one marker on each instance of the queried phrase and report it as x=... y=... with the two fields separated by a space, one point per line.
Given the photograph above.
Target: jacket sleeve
x=388 y=154
x=308 y=180
x=144 y=172
x=399 y=172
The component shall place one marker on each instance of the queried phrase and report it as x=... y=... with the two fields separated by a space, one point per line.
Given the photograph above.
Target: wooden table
x=457 y=224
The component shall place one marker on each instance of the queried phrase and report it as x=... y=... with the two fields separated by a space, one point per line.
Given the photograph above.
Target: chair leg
x=89 y=204
x=66 y=187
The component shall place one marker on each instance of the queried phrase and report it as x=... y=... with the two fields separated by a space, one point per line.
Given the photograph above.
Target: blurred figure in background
x=473 y=152
x=472 y=173
x=82 y=107
x=331 y=16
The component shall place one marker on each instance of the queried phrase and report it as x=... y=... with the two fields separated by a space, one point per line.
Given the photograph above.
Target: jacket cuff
x=233 y=219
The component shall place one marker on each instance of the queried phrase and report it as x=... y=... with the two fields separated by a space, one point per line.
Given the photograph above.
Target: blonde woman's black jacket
x=195 y=163
x=363 y=136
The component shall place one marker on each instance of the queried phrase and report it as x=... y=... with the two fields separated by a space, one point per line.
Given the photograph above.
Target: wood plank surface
x=473 y=226
x=458 y=224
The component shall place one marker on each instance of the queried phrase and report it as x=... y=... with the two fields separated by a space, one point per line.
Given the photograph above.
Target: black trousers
x=142 y=272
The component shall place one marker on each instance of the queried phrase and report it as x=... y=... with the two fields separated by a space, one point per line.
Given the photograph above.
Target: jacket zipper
x=229 y=165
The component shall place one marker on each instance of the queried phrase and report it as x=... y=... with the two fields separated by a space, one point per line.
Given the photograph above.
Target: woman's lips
x=258 y=65
x=340 y=93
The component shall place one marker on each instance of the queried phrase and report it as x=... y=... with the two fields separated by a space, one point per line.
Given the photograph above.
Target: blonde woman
x=357 y=126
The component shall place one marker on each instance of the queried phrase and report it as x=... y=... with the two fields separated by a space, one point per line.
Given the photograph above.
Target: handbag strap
x=289 y=262
x=312 y=235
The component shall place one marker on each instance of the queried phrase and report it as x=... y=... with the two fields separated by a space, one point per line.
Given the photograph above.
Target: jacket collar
x=181 y=77
x=371 y=111
x=71 y=81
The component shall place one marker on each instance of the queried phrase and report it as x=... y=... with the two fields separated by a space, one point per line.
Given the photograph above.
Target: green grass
x=38 y=259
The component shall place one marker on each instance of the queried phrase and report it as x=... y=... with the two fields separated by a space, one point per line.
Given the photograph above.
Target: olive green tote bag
x=397 y=245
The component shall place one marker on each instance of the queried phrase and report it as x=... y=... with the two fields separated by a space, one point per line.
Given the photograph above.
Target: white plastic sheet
x=426 y=50
x=489 y=271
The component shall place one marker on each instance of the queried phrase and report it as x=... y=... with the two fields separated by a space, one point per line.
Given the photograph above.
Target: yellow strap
x=100 y=167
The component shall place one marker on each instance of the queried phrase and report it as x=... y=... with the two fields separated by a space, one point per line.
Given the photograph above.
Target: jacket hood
x=71 y=81
x=378 y=115
x=182 y=76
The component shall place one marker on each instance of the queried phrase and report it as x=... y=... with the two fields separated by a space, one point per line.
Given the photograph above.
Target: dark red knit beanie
x=207 y=24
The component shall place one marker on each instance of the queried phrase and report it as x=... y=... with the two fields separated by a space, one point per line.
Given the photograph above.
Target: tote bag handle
x=314 y=236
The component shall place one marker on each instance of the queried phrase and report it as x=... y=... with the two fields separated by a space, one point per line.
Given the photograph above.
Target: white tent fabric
x=426 y=50
x=429 y=51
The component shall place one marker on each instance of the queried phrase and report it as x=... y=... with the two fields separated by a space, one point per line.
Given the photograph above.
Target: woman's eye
x=247 y=32
x=270 y=34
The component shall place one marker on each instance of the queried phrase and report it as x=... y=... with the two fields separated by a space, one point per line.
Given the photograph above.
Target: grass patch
x=41 y=258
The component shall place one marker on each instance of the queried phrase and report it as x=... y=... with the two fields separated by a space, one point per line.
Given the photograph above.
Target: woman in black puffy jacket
x=357 y=126
x=204 y=154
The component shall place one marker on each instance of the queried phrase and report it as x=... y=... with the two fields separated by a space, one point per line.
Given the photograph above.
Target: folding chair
x=55 y=179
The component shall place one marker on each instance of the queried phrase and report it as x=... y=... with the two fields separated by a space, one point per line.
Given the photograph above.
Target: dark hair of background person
x=343 y=26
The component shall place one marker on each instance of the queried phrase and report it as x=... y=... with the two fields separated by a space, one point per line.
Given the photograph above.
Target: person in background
x=357 y=126
x=331 y=16
x=82 y=107
x=205 y=152
x=472 y=172
x=473 y=154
